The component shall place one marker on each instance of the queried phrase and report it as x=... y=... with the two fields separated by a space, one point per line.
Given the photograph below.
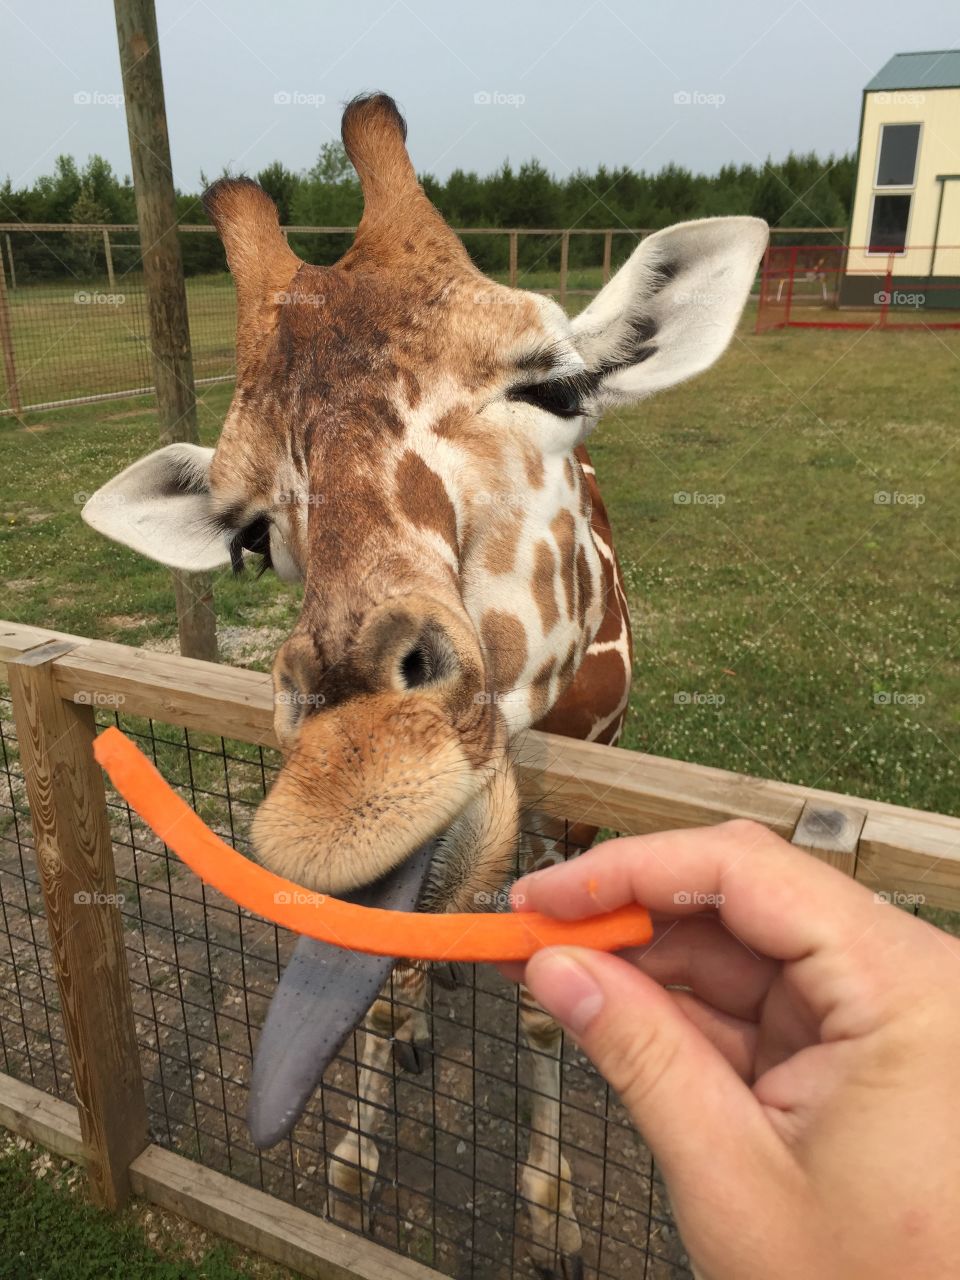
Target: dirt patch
x=128 y=622
x=21 y=584
x=240 y=645
x=130 y=413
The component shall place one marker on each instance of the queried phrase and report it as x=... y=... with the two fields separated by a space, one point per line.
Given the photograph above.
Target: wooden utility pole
x=163 y=277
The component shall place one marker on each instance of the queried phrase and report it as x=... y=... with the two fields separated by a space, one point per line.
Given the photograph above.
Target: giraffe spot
x=584 y=585
x=540 y=690
x=500 y=550
x=533 y=465
x=561 y=526
x=544 y=585
x=451 y=423
x=411 y=387
x=505 y=643
x=423 y=499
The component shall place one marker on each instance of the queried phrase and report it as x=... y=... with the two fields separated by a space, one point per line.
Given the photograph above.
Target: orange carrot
x=413 y=935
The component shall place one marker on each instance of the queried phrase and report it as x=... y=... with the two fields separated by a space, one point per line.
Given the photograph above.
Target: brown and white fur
x=407 y=437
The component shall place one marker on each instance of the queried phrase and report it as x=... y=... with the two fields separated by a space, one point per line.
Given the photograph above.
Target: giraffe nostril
x=430 y=659
x=416 y=668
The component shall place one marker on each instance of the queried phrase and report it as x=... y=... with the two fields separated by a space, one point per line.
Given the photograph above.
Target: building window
x=897 y=163
x=896 y=169
x=888 y=229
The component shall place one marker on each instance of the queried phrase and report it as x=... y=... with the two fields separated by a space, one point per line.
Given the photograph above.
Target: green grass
x=50 y=1229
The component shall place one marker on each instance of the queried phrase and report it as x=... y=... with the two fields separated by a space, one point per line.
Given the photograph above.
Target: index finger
x=775 y=898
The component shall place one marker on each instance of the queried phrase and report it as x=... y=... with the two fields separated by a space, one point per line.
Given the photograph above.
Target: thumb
x=681 y=1093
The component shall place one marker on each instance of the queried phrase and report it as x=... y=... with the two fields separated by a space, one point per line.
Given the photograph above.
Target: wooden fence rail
x=55 y=679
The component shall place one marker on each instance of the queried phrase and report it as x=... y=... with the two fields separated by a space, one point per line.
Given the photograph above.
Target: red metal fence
x=832 y=286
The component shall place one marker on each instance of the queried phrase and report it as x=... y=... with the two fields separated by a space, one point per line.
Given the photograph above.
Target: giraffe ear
x=160 y=506
x=671 y=309
x=260 y=260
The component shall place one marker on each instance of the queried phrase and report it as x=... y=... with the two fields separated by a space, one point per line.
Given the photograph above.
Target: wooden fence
x=56 y=682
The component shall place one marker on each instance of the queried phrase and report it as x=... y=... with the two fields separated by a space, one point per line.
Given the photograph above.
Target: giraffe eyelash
x=255 y=538
x=563 y=397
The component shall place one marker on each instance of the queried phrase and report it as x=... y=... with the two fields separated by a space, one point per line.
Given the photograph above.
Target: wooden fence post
x=513 y=259
x=71 y=829
x=831 y=833
x=6 y=342
x=564 y=261
x=139 y=45
x=607 y=254
x=108 y=254
x=13 y=269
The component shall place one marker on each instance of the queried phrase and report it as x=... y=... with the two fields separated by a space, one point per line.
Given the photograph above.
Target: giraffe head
x=401 y=440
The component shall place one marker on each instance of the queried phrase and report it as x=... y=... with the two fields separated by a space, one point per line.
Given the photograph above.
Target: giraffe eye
x=561 y=398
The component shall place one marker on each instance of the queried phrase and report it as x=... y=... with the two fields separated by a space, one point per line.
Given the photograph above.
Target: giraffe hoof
x=410 y=1056
x=449 y=975
x=570 y=1268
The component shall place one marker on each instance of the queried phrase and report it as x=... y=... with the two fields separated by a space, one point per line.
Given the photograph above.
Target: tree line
x=801 y=191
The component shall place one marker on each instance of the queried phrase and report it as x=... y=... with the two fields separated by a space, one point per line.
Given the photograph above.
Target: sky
x=573 y=84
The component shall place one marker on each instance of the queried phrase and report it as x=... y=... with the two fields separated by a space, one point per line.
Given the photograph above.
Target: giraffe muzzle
x=324 y=993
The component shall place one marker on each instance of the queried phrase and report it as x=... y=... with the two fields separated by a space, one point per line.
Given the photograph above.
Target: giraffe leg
x=397 y=1017
x=545 y=1185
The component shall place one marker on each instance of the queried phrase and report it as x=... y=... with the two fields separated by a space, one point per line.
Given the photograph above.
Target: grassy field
x=790 y=622
x=51 y=1230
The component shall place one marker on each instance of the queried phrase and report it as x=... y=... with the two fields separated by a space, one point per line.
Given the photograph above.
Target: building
x=905 y=226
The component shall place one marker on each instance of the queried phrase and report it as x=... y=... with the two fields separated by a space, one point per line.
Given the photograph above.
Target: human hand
x=799 y=1091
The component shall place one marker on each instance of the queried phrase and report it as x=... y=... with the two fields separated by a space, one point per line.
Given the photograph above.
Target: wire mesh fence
x=451 y=1138
x=73 y=316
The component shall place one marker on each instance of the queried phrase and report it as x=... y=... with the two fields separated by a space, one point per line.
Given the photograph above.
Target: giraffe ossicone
x=406 y=439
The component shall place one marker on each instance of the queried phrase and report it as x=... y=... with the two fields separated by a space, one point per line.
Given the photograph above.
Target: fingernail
x=565 y=987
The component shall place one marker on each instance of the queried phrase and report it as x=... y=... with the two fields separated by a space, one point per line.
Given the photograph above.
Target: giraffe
x=407 y=440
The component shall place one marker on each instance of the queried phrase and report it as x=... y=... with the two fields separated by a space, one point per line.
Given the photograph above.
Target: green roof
x=935 y=69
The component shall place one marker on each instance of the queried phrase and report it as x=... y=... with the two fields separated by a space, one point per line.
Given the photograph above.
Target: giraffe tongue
x=324 y=993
